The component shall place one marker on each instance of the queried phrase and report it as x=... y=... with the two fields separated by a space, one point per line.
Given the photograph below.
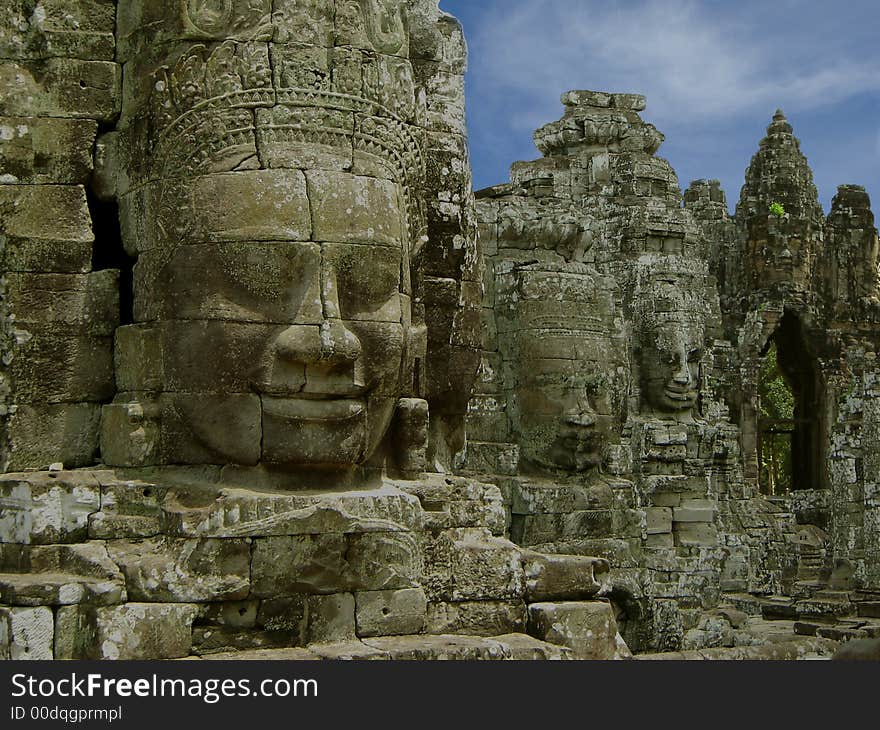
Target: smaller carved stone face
x=572 y=427
x=670 y=367
x=563 y=366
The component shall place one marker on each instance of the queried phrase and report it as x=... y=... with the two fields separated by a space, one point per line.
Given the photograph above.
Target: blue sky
x=714 y=71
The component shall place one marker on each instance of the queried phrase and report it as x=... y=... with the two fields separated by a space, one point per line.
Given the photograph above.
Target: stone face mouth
x=685 y=396
x=314 y=407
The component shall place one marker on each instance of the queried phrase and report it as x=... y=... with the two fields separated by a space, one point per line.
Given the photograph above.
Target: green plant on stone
x=777 y=210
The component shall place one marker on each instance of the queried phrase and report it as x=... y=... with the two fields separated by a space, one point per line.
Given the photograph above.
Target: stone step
x=844 y=630
x=778 y=607
x=795 y=649
x=826 y=604
x=58 y=589
x=59 y=575
x=511 y=647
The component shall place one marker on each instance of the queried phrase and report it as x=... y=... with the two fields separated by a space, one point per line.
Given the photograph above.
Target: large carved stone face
x=275 y=227
x=308 y=310
x=670 y=367
x=565 y=368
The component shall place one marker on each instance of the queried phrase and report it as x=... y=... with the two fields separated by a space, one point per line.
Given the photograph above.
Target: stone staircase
x=111 y=565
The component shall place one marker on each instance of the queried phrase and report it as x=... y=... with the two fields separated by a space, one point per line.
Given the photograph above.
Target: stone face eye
x=366 y=277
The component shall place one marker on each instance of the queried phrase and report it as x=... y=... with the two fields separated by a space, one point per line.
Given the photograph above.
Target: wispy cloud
x=691 y=58
x=713 y=71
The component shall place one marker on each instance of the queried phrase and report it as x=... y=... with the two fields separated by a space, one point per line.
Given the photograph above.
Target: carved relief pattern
x=220 y=18
x=205 y=106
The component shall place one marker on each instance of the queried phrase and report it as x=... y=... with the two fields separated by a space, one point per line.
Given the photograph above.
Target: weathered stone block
x=47 y=228
x=143 y=24
x=353 y=209
x=52 y=366
x=130 y=436
x=588 y=629
x=469 y=564
x=40 y=435
x=331 y=619
x=47 y=507
x=134 y=631
x=58 y=28
x=550 y=498
x=564 y=577
x=433 y=648
x=220 y=639
x=661 y=540
x=544 y=528
x=520 y=647
x=391 y=613
x=46 y=151
x=26 y=633
x=284 y=614
x=252 y=205
x=288 y=565
x=459 y=502
x=168 y=570
x=229 y=511
x=60 y=87
x=59 y=575
x=158 y=357
x=384 y=560
x=477 y=618
x=695 y=510
x=491 y=458
x=81 y=303
x=695 y=534
x=210 y=429
x=129 y=509
x=247 y=281
x=659 y=520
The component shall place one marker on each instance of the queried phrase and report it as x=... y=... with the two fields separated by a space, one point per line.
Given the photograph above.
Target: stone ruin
x=277 y=384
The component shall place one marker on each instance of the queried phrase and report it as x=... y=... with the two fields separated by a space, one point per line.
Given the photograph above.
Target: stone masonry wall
x=59 y=84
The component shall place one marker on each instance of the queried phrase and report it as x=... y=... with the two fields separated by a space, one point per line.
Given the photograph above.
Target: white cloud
x=684 y=55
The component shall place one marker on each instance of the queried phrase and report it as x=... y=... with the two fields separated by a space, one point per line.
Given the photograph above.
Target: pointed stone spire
x=780 y=173
x=783 y=243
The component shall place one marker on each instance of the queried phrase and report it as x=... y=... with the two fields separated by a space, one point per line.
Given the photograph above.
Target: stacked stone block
x=60 y=82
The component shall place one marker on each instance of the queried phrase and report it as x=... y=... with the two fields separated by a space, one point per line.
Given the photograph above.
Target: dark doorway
x=789 y=413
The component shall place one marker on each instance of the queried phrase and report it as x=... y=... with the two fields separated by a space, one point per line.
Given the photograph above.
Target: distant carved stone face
x=565 y=368
x=563 y=425
x=670 y=367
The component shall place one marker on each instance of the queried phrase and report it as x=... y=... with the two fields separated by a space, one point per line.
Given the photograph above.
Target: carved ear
x=410 y=436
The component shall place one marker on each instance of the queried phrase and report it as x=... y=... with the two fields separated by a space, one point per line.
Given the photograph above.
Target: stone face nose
x=331 y=344
x=683 y=374
x=581 y=413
